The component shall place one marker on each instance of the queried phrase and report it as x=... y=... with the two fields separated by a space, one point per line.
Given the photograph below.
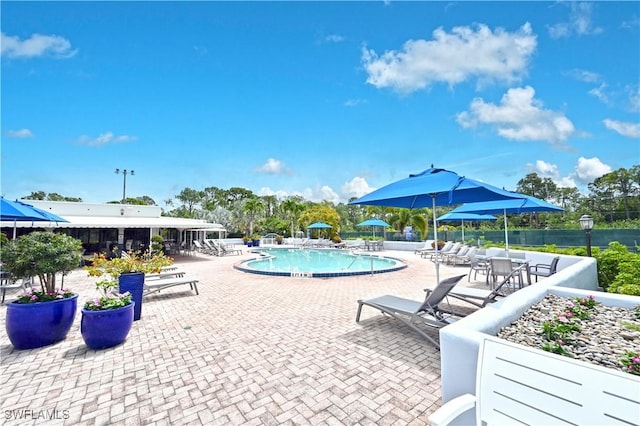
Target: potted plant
x=129 y=271
x=107 y=319
x=279 y=239
x=41 y=316
x=157 y=243
x=255 y=239
x=246 y=240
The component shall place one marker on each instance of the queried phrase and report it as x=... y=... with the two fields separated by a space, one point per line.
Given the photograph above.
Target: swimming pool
x=321 y=263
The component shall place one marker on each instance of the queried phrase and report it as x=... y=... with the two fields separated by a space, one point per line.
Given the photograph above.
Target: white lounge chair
x=156 y=285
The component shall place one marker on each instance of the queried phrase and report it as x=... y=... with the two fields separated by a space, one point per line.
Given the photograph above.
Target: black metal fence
x=535 y=237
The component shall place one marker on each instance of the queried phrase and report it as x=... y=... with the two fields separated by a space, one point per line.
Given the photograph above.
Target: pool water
x=298 y=262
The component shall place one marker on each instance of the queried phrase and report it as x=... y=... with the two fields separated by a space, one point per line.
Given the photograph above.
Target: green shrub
x=619 y=269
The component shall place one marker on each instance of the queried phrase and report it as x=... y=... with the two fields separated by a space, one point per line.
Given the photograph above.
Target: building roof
x=86 y=215
x=119 y=222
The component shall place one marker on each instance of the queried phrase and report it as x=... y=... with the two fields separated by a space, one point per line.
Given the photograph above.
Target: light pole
x=586 y=223
x=124 y=172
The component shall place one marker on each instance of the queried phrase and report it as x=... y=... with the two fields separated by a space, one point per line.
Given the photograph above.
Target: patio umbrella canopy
x=433 y=187
x=318 y=225
x=373 y=222
x=14 y=211
x=461 y=217
x=19 y=211
x=525 y=204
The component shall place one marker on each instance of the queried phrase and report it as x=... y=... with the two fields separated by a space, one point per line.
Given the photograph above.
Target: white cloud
x=588 y=169
x=519 y=116
x=547 y=169
x=585 y=76
x=601 y=92
x=630 y=130
x=319 y=194
x=356 y=187
x=585 y=171
x=280 y=194
x=20 y=134
x=334 y=38
x=273 y=167
x=354 y=102
x=579 y=21
x=634 y=98
x=104 y=139
x=36 y=45
x=452 y=58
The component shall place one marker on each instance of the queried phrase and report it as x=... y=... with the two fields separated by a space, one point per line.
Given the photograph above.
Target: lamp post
x=124 y=172
x=586 y=223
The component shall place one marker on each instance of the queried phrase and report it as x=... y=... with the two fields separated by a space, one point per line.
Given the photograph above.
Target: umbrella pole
x=462 y=231
x=506 y=234
x=435 y=237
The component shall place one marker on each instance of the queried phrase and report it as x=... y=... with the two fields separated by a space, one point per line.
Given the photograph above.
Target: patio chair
x=545 y=270
x=477 y=265
x=429 y=253
x=450 y=257
x=8 y=284
x=481 y=297
x=465 y=259
x=414 y=312
x=428 y=247
x=503 y=267
x=159 y=284
x=225 y=250
x=211 y=247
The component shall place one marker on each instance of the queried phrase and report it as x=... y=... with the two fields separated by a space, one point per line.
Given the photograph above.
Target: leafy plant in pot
x=129 y=271
x=41 y=316
x=107 y=319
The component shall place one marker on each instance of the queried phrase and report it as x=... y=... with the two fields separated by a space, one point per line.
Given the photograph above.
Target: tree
x=322 y=212
x=618 y=191
x=190 y=198
x=42 y=254
x=401 y=218
x=293 y=208
x=52 y=196
x=252 y=207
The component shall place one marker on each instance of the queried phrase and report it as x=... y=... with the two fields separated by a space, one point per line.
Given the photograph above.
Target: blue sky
x=327 y=100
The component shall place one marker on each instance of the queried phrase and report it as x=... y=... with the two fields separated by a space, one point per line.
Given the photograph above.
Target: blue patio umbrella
x=525 y=204
x=430 y=188
x=17 y=211
x=461 y=217
x=373 y=222
x=318 y=225
x=14 y=211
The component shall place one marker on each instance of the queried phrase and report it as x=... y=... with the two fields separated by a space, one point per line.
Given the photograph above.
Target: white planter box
x=459 y=341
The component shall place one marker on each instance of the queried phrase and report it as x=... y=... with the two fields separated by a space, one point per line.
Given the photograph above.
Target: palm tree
x=414 y=217
x=252 y=207
x=292 y=207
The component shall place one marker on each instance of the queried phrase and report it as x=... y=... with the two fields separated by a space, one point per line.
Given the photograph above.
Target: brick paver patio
x=249 y=350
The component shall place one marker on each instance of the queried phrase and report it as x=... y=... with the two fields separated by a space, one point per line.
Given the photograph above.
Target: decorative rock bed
x=602 y=339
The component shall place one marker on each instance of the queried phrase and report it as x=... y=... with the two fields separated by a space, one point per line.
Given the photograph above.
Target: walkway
x=249 y=350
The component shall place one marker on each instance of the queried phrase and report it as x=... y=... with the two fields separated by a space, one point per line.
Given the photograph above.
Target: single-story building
x=131 y=227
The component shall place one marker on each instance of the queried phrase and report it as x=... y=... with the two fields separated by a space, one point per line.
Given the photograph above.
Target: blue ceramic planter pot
x=33 y=325
x=104 y=329
x=134 y=284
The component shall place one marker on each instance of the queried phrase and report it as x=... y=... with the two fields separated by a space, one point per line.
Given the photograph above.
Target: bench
x=517 y=384
x=156 y=285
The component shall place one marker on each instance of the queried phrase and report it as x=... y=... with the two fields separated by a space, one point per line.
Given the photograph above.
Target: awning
x=120 y=222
